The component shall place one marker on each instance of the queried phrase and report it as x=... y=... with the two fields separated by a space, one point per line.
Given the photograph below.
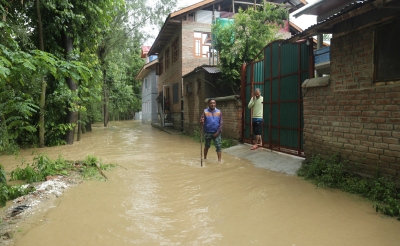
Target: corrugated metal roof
x=212 y=69
x=207 y=68
x=346 y=9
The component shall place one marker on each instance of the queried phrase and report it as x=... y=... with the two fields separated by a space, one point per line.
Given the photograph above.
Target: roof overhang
x=321 y=7
x=171 y=25
x=145 y=69
x=350 y=11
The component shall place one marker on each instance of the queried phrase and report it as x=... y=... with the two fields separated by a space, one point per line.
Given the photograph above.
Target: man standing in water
x=256 y=103
x=211 y=121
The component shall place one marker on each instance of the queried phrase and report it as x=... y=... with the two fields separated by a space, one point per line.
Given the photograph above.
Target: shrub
x=331 y=172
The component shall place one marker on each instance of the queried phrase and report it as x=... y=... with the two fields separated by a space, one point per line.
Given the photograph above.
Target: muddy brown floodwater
x=164 y=197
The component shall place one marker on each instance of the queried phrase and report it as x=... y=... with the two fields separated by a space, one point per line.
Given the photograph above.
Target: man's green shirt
x=257 y=106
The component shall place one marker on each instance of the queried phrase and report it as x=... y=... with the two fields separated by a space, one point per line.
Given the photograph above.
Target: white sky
x=303 y=21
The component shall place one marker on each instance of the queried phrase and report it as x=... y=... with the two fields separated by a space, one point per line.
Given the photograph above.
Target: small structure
x=147 y=75
x=200 y=85
x=355 y=111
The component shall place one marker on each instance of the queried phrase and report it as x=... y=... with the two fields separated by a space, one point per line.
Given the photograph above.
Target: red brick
x=362 y=148
x=372 y=156
x=383 y=133
x=392 y=95
x=383 y=114
x=390 y=140
x=367 y=143
x=392 y=107
x=375 y=151
x=370 y=126
x=392 y=153
x=385 y=126
x=369 y=132
x=394 y=147
x=393 y=120
x=378 y=120
x=375 y=139
x=381 y=145
x=396 y=134
x=368 y=113
x=395 y=166
x=388 y=159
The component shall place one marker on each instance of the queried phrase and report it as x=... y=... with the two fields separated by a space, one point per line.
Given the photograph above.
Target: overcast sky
x=303 y=21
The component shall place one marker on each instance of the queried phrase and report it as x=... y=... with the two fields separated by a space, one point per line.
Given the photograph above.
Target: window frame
x=175 y=50
x=167 y=55
x=379 y=45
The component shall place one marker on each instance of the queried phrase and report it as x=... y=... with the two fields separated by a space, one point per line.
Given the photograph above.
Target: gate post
x=243 y=96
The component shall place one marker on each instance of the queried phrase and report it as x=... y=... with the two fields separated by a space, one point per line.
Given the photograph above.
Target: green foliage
x=241 y=41
x=41 y=167
x=332 y=173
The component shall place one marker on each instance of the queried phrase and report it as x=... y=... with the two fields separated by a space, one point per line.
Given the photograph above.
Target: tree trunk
x=88 y=126
x=71 y=115
x=105 y=108
x=42 y=103
x=79 y=127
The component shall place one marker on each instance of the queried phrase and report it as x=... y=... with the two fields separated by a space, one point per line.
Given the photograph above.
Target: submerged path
x=164 y=197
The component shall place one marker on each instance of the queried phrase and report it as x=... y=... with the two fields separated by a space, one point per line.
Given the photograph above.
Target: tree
x=241 y=41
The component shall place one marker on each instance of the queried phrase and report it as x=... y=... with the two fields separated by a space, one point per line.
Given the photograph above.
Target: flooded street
x=161 y=196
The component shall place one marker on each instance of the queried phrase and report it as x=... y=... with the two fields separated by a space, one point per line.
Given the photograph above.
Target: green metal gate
x=279 y=76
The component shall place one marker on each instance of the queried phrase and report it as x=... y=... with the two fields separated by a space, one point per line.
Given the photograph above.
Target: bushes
x=331 y=172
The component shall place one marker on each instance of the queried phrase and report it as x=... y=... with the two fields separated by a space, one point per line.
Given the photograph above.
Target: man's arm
x=220 y=125
x=202 y=117
x=251 y=103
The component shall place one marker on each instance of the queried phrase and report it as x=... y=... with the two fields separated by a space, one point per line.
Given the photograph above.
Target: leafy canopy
x=241 y=41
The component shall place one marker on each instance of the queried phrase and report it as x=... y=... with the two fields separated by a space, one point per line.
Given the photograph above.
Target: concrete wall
x=149 y=95
x=353 y=116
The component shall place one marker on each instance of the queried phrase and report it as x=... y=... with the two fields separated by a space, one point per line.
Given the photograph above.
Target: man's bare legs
x=206 y=152
x=258 y=140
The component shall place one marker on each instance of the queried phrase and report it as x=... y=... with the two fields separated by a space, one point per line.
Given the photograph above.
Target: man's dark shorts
x=217 y=141
x=257 y=126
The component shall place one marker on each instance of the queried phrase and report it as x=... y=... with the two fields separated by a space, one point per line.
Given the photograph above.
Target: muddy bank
x=32 y=207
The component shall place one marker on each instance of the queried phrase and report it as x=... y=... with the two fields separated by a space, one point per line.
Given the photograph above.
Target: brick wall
x=189 y=62
x=185 y=64
x=353 y=116
x=194 y=104
x=232 y=117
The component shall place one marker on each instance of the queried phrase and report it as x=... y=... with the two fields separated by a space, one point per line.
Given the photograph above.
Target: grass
x=41 y=167
x=332 y=172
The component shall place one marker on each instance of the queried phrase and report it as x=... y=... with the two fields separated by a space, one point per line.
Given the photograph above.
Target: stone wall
x=353 y=116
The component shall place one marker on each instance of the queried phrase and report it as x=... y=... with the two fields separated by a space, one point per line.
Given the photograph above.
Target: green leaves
x=241 y=41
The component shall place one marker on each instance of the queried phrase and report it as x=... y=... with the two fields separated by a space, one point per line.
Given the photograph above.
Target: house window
x=198 y=85
x=188 y=89
x=145 y=84
x=160 y=67
x=191 y=17
x=175 y=50
x=166 y=59
x=202 y=42
x=387 y=52
x=175 y=91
